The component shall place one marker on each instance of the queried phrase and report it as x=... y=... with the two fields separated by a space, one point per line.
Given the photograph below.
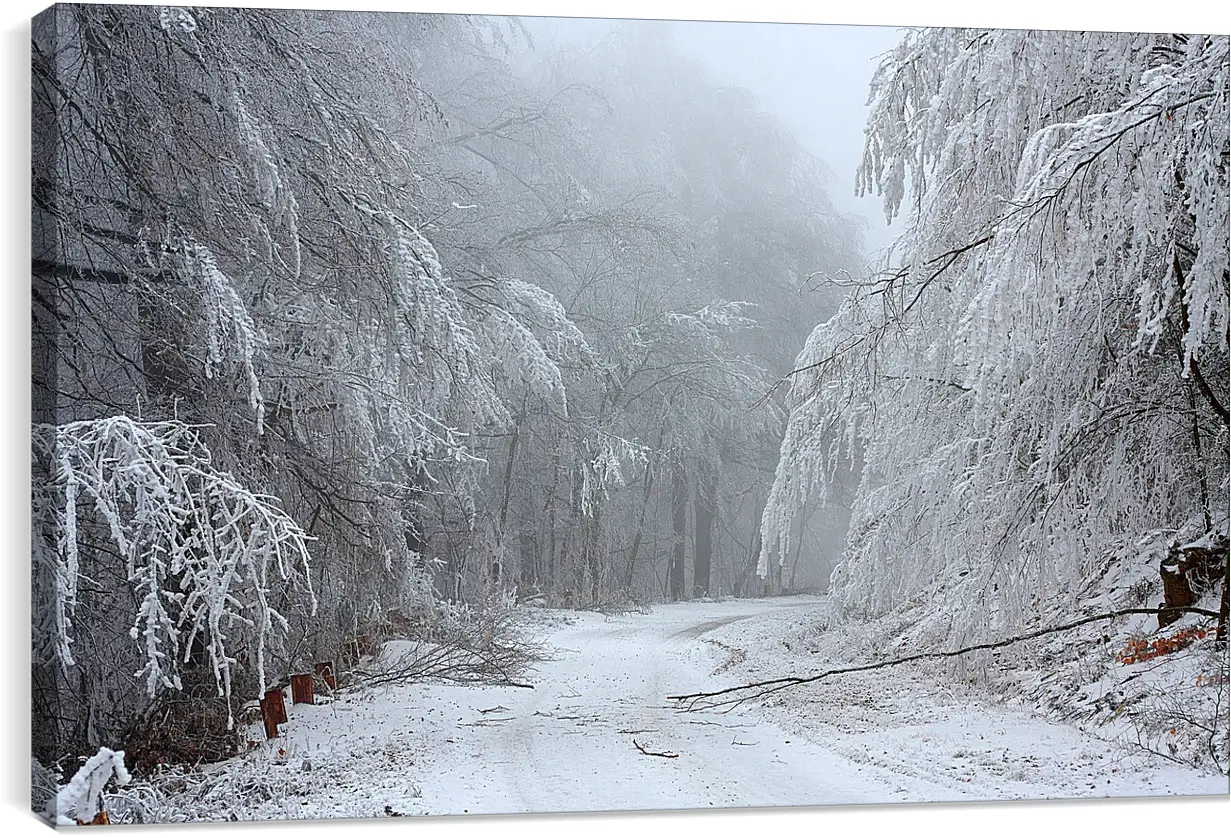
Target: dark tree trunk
x=508 y=469
x=639 y=535
x=798 y=546
x=549 y=515
x=1199 y=567
x=1222 y=613
x=704 y=513
x=528 y=566
x=635 y=551
x=591 y=533
x=679 y=527
x=1176 y=592
x=747 y=583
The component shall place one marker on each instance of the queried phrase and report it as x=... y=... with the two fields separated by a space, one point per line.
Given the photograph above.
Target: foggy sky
x=813 y=78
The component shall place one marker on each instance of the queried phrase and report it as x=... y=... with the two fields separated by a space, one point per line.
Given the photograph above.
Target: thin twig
x=664 y=754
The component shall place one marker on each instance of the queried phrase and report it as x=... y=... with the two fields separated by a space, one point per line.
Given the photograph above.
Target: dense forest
x=348 y=326
x=425 y=329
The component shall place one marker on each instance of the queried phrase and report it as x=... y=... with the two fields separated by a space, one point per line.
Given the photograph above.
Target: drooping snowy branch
x=604 y=460
x=1026 y=380
x=229 y=329
x=528 y=331
x=202 y=553
x=82 y=796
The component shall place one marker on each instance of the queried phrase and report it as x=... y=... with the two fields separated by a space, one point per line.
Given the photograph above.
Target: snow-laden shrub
x=459 y=642
x=82 y=796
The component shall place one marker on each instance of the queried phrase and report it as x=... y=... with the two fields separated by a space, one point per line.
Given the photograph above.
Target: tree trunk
x=1221 y=637
x=754 y=553
x=637 y=537
x=530 y=560
x=549 y=515
x=1189 y=573
x=591 y=532
x=1177 y=593
x=679 y=527
x=635 y=551
x=508 y=474
x=799 y=546
x=704 y=514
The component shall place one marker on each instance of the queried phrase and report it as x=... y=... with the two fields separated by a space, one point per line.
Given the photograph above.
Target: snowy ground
x=568 y=744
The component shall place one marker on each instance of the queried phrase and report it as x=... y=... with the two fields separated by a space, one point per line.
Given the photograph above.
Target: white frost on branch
x=171 y=18
x=83 y=794
x=1015 y=381
x=277 y=199
x=528 y=335
x=202 y=552
x=230 y=332
x=603 y=461
x=717 y=317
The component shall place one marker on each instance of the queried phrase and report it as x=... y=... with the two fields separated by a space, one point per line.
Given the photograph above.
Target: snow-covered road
x=571 y=744
x=568 y=744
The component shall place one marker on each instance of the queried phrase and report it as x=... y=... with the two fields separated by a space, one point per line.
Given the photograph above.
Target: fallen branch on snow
x=664 y=754
x=738 y=695
x=460 y=659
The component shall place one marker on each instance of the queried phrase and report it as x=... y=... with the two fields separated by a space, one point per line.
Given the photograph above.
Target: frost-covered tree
x=229 y=235
x=456 y=317
x=1036 y=380
x=708 y=201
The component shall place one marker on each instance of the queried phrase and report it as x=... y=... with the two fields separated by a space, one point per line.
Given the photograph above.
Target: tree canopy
x=1035 y=382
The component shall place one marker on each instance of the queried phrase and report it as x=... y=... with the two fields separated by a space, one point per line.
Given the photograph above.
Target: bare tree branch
x=664 y=754
x=757 y=689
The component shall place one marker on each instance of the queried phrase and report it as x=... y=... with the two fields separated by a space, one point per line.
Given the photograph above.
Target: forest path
x=568 y=744
x=573 y=744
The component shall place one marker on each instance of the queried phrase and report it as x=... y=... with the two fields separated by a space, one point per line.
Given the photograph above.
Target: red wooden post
x=273 y=711
x=325 y=670
x=301 y=689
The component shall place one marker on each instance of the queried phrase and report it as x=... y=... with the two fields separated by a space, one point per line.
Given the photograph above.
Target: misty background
x=812 y=77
